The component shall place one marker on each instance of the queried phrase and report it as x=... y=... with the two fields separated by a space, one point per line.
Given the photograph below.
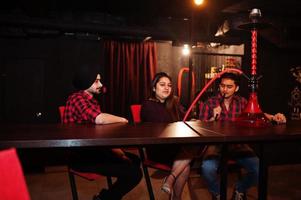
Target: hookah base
x=253 y=120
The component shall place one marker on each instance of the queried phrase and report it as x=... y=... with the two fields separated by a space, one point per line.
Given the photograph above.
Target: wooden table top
x=233 y=132
x=76 y=135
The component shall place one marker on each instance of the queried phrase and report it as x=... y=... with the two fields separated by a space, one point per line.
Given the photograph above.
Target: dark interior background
x=42 y=42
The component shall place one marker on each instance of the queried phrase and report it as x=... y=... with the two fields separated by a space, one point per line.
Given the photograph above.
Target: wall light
x=186 y=50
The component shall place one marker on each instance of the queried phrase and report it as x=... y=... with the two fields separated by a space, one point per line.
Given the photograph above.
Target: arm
x=205 y=112
x=105 y=118
x=279 y=118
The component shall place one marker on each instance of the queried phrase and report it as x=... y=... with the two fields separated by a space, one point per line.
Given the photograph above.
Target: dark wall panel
x=36 y=75
x=24 y=89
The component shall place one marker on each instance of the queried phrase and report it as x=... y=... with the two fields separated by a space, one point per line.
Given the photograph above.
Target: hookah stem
x=220 y=103
x=254 y=52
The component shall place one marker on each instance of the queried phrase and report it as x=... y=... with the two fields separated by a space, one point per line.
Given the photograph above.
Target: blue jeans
x=250 y=164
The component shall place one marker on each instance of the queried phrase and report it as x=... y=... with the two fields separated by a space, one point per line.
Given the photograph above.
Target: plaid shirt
x=81 y=107
x=236 y=107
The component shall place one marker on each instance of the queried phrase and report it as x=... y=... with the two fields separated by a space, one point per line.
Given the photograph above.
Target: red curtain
x=129 y=68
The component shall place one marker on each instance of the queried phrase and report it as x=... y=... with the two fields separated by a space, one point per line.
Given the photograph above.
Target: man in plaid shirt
x=227 y=106
x=82 y=107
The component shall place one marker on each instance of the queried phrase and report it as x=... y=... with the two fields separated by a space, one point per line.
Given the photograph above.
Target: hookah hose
x=206 y=87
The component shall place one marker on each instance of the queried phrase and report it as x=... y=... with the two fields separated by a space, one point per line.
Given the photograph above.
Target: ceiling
x=159 y=19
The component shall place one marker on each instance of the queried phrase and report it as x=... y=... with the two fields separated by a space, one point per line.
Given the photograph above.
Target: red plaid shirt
x=236 y=107
x=81 y=107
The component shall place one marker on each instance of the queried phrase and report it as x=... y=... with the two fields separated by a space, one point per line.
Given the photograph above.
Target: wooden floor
x=53 y=184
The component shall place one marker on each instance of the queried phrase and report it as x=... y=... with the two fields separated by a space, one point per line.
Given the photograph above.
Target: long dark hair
x=171 y=102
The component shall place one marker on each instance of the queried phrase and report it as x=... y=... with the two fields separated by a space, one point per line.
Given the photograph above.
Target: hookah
x=252 y=115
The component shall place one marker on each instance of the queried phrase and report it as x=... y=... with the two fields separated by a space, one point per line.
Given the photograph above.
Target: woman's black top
x=155 y=111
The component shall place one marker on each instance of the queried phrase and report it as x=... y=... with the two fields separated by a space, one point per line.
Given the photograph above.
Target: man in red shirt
x=82 y=107
x=227 y=106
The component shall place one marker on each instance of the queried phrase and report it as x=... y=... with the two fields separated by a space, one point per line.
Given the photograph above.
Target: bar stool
x=84 y=175
x=146 y=163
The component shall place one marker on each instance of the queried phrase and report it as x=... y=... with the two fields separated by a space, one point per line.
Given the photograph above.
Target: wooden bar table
x=85 y=135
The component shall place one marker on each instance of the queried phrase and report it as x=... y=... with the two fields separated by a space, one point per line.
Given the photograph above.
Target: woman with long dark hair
x=163 y=106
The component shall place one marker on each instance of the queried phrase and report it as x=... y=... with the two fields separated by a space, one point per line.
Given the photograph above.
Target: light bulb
x=198 y=2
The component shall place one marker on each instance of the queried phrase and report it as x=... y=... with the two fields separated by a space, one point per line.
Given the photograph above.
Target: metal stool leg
x=146 y=176
x=73 y=186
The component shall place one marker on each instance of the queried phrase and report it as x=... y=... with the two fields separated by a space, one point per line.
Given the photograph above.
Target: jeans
x=210 y=169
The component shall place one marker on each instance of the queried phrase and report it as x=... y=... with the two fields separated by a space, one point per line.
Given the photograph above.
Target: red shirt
x=81 y=107
x=236 y=107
